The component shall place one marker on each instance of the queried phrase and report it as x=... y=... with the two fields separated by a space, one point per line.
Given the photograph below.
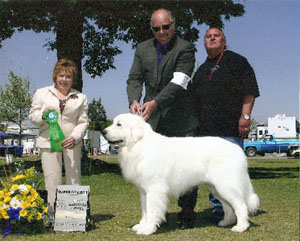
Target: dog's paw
x=145 y=229
x=137 y=227
x=240 y=228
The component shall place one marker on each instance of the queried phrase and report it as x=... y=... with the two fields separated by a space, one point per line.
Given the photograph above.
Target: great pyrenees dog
x=162 y=167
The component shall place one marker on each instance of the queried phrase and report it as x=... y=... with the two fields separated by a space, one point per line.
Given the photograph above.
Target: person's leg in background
x=217 y=206
x=187 y=202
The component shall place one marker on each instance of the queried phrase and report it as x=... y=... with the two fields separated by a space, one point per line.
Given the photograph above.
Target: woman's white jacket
x=73 y=121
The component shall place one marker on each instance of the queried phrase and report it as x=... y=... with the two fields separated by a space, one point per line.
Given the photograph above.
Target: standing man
x=225 y=87
x=163 y=65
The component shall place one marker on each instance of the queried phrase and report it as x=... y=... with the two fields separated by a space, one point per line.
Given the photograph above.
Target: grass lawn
x=115 y=208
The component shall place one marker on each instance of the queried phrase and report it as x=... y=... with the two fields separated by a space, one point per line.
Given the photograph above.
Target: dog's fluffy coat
x=162 y=167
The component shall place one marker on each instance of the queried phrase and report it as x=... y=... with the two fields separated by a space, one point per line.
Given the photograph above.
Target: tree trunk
x=20 y=132
x=69 y=40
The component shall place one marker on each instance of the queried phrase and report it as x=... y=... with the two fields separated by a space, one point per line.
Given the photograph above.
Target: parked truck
x=269 y=144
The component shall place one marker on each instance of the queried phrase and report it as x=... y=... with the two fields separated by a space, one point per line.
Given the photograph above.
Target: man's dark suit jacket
x=175 y=112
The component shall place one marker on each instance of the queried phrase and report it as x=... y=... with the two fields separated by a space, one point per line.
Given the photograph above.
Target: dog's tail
x=252 y=201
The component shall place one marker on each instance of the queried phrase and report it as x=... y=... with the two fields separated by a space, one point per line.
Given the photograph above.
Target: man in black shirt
x=225 y=88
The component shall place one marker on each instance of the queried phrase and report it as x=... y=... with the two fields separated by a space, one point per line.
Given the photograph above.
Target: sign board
x=72 y=209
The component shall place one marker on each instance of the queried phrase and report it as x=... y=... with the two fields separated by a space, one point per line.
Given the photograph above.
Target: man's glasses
x=163 y=27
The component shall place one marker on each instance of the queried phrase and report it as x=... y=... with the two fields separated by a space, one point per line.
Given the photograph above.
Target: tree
x=97 y=116
x=86 y=29
x=254 y=125
x=15 y=101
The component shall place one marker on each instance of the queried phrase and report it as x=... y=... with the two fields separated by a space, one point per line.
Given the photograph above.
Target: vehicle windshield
x=267 y=138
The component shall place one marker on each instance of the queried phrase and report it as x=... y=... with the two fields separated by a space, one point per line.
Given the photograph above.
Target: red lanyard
x=209 y=76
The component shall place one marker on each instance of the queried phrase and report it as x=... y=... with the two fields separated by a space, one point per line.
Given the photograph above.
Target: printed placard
x=72 y=211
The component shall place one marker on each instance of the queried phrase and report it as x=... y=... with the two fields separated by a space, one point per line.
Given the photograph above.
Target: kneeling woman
x=71 y=106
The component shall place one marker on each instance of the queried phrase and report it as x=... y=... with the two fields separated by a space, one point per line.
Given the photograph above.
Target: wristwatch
x=246 y=116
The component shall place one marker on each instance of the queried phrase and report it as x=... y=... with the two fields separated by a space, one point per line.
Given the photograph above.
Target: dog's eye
x=119 y=124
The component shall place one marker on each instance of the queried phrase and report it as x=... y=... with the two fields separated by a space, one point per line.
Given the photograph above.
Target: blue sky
x=268 y=35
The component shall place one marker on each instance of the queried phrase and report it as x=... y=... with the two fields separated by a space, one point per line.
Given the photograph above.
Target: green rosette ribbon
x=55 y=132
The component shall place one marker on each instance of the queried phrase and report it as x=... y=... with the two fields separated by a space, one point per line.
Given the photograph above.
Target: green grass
x=115 y=208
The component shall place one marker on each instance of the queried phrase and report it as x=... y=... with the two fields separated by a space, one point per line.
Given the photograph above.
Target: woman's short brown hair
x=66 y=65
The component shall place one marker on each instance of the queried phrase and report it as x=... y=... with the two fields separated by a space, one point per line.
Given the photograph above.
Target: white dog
x=162 y=167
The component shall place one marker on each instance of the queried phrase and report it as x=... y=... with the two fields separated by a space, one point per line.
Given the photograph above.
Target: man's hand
x=244 y=127
x=135 y=107
x=148 y=108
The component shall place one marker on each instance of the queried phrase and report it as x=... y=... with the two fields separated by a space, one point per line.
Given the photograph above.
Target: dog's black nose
x=104 y=132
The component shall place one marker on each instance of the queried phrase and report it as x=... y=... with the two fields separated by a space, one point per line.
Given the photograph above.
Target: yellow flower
x=7 y=199
x=30 y=199
x=14 y=187
x=3 y=213
x=1 y=193
x=39 y=216
x=29 y=217
x=45 y=209
x=25 y=204
x=26 y=192
x=34 y=193
x=23 y=213
x=18 y=177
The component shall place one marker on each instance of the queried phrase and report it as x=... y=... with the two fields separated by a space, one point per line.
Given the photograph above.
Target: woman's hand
x=69 y=142
x=47 y=108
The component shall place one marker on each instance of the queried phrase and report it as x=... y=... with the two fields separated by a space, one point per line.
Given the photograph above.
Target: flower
x=23 y=188
x=15 y=203
x=18 y=177
x=39 y=216
x=7 y=198
x=45 y=209
x=23 y=213
x=3 y=213
x=25 y=205
x=19 y=198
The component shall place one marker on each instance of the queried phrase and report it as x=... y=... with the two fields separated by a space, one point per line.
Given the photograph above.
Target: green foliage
x=97 y=116
x=88 y=29
x=15 y=100
x=254 y=124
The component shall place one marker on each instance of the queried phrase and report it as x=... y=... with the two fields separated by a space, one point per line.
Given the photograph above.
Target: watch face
x=247 y=117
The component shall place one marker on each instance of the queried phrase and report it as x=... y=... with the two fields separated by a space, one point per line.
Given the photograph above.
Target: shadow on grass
x=280 y=172
x=20 y=165
x=96 y=166
x=88 y=167
x=98 y=218
x=204 y=219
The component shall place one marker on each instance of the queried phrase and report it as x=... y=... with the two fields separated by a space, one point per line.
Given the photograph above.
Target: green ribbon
x=55 y=132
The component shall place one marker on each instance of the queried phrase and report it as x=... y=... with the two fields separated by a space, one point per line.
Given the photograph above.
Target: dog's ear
x=137 y=131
